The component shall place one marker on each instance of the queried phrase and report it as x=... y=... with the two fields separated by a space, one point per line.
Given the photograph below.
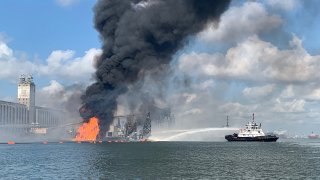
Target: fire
x=88 y=131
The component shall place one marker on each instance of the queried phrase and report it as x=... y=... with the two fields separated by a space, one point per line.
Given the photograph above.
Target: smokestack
x=138 y=36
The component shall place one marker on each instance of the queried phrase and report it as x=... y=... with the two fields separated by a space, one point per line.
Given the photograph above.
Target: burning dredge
x=125 y=128
x=129 y=128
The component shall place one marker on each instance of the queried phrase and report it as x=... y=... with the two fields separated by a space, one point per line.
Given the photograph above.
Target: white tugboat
x=251 y=132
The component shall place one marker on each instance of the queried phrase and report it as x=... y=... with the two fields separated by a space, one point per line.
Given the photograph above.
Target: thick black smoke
x=137 y=36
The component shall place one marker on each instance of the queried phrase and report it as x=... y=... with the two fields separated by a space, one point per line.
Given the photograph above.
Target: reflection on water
x=290 y=160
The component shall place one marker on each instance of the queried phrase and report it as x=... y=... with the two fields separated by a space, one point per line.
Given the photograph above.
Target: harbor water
x=298 y=159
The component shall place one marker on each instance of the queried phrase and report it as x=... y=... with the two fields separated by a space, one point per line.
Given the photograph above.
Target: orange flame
x=88 y=131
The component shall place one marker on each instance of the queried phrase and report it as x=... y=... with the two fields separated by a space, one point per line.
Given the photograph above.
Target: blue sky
x=39 y=27
x=55 y=40
x=33 y=29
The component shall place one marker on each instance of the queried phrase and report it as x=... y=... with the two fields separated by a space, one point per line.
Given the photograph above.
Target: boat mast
x=227 y=121
x=253 y=117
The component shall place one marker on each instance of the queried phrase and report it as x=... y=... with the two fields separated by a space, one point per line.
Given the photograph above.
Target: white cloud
x=54 y=88
x=283 y=4
x=59 y=57
x=53 y=95
x=207 y=84
x=11 y=68
x=200 y=63
x=296 y=105
x=308 y=92
x=144 y=4
x=189 y=97
x=60 y=64
x=5 y=51
x=235 y=107
x=240 y=22
x=254 y=59
x=66 y=2
x=194 y=111
x=288 y=92
x=59 y=96
x=314 y=95
x=258 y=91
x=63 y=64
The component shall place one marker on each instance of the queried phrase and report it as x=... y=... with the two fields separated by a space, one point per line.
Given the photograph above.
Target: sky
x=262 y=58
x=39 y=37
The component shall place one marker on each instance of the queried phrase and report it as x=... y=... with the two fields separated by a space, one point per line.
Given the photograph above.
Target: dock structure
x=24 y=116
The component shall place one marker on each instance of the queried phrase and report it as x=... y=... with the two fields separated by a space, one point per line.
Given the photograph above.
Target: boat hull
x=313 y=136
x=268 y=138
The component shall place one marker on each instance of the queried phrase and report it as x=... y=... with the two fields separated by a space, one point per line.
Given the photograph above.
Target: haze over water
x=162 y=160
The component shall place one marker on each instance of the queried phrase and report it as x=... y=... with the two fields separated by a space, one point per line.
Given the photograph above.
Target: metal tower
x=147 y=126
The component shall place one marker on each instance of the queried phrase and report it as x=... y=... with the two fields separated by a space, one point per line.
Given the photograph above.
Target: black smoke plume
x=138 y=36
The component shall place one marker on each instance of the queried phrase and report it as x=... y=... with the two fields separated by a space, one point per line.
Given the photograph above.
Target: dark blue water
x=162 y=160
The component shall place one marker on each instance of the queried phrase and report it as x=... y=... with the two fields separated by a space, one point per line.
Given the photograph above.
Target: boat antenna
x=253 y=117
x=227 y=121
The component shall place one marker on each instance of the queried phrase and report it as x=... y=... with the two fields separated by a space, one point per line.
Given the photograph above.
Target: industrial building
x=25 y=117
